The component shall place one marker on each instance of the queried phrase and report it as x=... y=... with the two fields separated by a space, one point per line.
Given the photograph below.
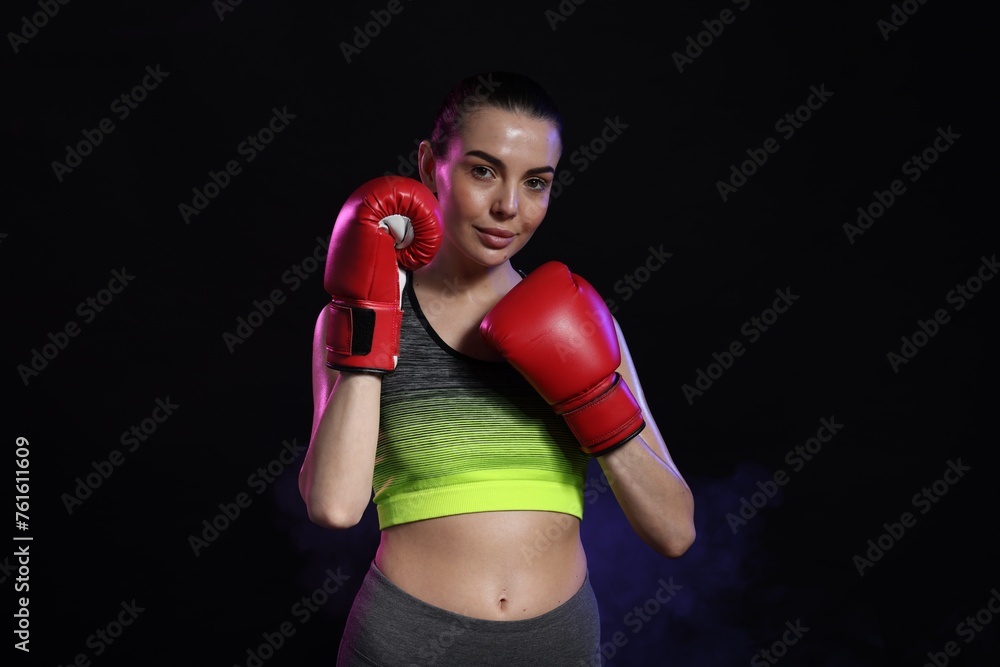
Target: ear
x=426 y=165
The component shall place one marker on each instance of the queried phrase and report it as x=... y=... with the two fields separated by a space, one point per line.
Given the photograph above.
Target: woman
x=479 y=561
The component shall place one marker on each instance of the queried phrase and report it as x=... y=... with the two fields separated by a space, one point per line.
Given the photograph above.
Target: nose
x=505 y=202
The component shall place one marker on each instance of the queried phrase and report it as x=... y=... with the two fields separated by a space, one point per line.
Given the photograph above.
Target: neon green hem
x=481 y=491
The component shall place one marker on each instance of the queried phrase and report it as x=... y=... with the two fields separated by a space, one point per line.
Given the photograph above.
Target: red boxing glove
x=388 y=224
x=555 y=329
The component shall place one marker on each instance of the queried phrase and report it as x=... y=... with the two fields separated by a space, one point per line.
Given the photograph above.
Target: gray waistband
x=388 y=627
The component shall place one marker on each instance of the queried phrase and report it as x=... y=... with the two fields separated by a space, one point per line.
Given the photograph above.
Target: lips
x=494 y=237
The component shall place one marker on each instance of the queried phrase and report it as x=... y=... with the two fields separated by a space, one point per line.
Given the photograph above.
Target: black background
x=653 y=187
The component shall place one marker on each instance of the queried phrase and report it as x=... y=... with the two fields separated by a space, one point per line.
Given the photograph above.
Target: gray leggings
x=388 y=627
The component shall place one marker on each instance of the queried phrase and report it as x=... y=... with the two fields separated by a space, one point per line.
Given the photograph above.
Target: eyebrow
x=498 y=163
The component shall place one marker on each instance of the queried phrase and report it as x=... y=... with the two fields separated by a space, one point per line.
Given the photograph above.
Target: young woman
x=470 y=398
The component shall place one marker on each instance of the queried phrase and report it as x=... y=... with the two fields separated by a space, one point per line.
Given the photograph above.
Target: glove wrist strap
x=362 y=336
x=608 y=421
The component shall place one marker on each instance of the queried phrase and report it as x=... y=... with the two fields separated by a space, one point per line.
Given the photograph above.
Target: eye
x=537 y=184
x=481 y=172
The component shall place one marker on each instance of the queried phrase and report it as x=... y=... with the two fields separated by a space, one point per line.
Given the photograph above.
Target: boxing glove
x=556 y=331
x=388 y=224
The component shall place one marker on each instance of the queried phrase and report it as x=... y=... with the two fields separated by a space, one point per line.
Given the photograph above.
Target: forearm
x=336 y=476
x=653 y=495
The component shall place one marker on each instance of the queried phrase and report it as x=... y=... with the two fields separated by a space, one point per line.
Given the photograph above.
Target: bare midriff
x=509 y=565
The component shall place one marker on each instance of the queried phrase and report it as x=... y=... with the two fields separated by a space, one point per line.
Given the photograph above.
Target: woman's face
x=493 y=183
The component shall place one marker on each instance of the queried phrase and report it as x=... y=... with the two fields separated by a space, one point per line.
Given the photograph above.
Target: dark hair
x=507 y=91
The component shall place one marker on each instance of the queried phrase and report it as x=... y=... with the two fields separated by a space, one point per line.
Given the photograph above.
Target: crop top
x=460 y=435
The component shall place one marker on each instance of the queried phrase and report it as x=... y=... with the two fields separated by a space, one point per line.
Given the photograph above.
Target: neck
x=473 y=281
